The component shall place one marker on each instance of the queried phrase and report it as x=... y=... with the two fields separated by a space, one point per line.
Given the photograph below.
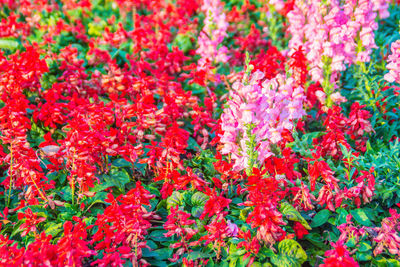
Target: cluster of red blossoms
x=112 y=150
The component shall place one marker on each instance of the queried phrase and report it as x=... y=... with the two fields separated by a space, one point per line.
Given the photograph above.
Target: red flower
x=41 y=252
x=339 y=257
x=214 y=205
x=217 y=231
x=30 y=221
x=73 y=247
x=176 y=222
x=298 y=64
x=179 y=224
x=264 y=194
x=251 y=245
x=299 y=230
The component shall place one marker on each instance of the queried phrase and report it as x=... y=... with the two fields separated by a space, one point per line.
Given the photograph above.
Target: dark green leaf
x=320 y=218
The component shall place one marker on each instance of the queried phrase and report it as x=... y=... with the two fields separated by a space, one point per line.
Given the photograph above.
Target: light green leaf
x=387 y=263
x=183 y=42
x=8 y=44
x=361 y=217
x=176 y=199
x=291 y=254
x=293 y=215
x=53 y=228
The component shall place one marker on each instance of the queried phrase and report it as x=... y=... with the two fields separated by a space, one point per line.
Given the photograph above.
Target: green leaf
x=121 y=163
x=232 y=263
x=147 y=253
x=342 y=216
x=237 y=200
x=210 y=263
x=66 y=193
x=197 y=211
x=364 y=247
x=118 y=178
x=242 y=262
x=98 y=198
x=101 y=186
x=361 y=256
x=8 y=44
x=17 y=228
x=351 y=242
x=176 y=199
x=192 y=144
x=243 y=213
x=291 y=254
x=53 y=228
x=158 y=235
x=238 y=253
x=199 y=199
x=183 y=42
x=293 y=215
x=194 y=255
x=361 y=217
x=163 y=253
x=155 y=262
x=320 y=218
x=387 y=263
x=316 y=240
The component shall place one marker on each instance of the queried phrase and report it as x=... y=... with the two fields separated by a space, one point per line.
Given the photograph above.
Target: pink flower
x=264 y=111
x=388 y=237
x=381 y=6
x=330 y=33
x=213 y=33
x=338 y=98
x=233 y=228
x=394 y=63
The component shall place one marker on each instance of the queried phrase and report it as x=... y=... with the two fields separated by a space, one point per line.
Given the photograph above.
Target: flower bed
x=199 y=133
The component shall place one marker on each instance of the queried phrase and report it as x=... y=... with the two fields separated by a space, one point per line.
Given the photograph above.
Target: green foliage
x=290 y=254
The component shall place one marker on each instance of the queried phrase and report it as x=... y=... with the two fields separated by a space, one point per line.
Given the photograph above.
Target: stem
x=72 y=182
x=327 y=85
x=251 y=150
x=134 y=16
x=89 y=207
x=38 y=189
x=273 y=25
x=11 y=177
x=73 y=190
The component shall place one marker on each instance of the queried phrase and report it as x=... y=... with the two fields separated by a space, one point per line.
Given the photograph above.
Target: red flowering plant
x=199 y=133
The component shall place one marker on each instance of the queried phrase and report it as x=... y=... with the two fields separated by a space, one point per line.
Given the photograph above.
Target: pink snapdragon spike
x=279 y=5
x=213 y=33
x=394 y=63
x=256 y=115
x=334 y=34
x=381 y=6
